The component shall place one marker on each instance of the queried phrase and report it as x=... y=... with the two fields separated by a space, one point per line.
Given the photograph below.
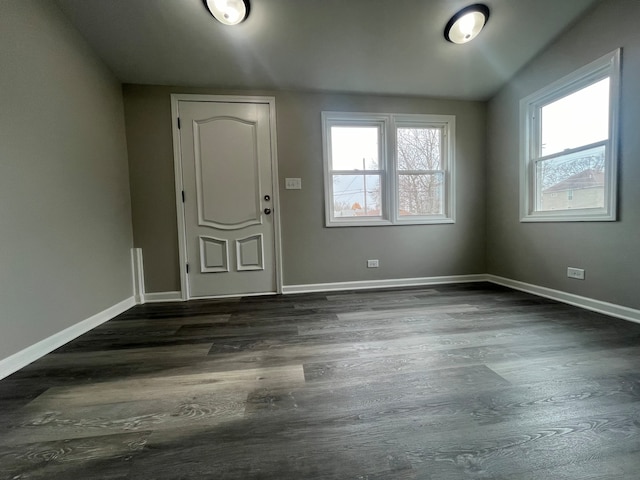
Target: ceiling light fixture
x=465 y=25
x=228 y=12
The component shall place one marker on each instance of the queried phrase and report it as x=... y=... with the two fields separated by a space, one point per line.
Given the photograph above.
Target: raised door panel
x=214 y=255
x=227 y=167
x=250 y=253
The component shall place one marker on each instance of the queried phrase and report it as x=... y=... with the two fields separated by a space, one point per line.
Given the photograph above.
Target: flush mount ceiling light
x=229 y=12
x=465 y=25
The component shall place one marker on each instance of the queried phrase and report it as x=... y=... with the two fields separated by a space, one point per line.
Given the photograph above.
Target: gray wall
x=311 y=252
x=65 y=224
x=540 y=253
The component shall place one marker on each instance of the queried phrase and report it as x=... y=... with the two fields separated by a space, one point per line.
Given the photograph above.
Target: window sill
x=388 y=223
x=582 y=216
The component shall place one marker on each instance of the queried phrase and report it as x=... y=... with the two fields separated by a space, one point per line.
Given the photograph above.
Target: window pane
x=350 y=200
x=354 y=148
x=579 y=119
x=420 y=194
x=572 y=181
x=419 y=148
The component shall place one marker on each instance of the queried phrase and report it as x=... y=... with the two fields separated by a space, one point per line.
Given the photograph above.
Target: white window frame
x=530 y=134
x=388 y=125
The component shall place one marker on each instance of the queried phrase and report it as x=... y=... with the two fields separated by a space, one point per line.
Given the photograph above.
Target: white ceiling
x=368 y=46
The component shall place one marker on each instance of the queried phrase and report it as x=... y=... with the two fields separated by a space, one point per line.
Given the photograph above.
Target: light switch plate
x=293 y=183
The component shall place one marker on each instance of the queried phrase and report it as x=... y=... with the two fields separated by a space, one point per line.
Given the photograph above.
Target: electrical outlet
x=577 y=273
x=373 y=264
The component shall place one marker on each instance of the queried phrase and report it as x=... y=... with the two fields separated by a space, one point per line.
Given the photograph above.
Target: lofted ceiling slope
x=362 y=46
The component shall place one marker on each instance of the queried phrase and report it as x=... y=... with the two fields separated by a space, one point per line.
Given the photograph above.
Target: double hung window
x=383 y=169
x=569 y=135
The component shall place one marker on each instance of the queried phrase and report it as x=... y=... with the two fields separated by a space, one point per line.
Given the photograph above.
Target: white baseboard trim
x=30 y=354
x=368 y=284
x=234 y=295
x=158 y=297
x=137 y=273
x=599 y=306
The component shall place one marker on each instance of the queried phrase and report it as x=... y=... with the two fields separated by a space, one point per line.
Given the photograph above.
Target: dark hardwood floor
x=469 y=381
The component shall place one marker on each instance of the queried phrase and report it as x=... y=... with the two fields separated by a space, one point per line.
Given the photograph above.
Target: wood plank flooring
x=469 y=381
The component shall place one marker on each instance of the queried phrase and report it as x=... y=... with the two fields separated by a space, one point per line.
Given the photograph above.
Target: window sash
x=571 y=151
x=418 y=172
x=378 y=126
x=441 y=128
x=440 y=197
x=363 y=204
x=357 y=172
x=573 y=154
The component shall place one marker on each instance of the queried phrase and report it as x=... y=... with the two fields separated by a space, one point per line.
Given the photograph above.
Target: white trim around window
x=566 y=179
x=388 y=169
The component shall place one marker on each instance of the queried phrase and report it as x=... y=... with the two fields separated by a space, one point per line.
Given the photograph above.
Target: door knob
x=267 y=211
x=267 y=198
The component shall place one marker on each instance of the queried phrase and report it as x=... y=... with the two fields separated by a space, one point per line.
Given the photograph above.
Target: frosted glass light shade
x=228 y=12
x=465 y=25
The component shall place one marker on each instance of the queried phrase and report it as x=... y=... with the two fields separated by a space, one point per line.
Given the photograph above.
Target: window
x=569 y=136
x=383 y=169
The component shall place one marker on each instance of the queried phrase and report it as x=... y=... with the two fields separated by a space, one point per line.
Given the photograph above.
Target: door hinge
x=187 y=268
x=182 y=196
x=178 y=123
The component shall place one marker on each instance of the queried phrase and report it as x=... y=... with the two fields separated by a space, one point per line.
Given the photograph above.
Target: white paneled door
x=228 y=181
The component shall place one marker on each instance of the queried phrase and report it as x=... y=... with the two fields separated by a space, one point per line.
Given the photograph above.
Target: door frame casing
x=179 y=184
